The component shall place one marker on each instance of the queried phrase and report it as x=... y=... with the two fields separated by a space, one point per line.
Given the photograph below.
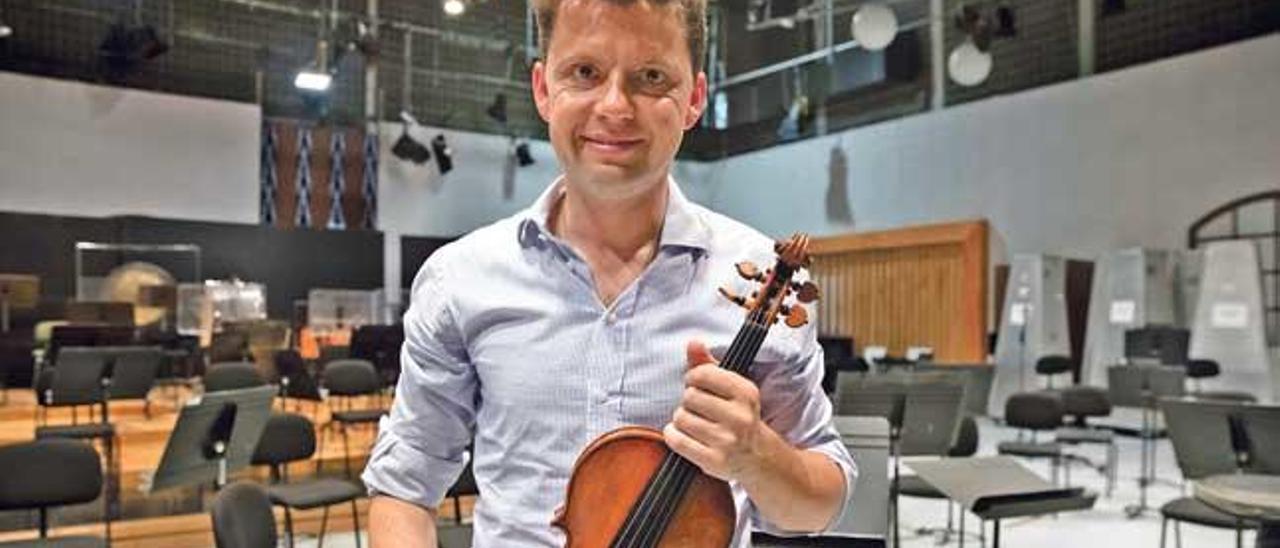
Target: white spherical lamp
x=874 y=26
x=968 y=65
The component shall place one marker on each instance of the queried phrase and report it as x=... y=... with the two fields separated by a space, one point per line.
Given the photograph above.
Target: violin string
x=671 y=481
x=675 y=480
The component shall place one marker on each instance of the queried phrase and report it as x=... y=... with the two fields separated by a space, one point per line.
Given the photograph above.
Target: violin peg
x=749 y=271
x=797 y=316
x=806 y=292
x=733 y=297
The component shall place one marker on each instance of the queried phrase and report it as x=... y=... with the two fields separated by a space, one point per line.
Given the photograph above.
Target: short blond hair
x=695 y=24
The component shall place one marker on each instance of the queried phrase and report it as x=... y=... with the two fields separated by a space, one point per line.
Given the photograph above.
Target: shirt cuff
x=399 y=470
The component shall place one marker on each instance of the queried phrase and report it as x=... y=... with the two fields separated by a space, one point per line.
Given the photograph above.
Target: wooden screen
x=917 y=286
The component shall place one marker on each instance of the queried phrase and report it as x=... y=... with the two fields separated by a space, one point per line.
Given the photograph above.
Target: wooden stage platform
x=176 y=517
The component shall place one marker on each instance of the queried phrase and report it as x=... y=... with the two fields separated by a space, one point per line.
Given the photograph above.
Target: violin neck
x=742 y=353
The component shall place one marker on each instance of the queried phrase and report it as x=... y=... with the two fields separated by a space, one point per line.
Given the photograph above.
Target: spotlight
x=408 y=148
x=523 y=156
x=454 y=8
x=313 y=80
x=124 y=47
x=444 y=156
x=793 y=124
x=1006 y=22
x=5 y=30
x=498 y=110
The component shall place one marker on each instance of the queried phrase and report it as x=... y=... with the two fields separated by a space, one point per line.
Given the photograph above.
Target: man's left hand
x=717 y=425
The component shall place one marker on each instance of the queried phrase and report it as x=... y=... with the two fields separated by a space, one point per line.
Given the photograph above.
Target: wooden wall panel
x=918 y=286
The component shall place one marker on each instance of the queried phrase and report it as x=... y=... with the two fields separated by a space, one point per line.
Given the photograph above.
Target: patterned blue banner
x=370 y=185
x=337 y=149
x=267 y=172
x=303 y=183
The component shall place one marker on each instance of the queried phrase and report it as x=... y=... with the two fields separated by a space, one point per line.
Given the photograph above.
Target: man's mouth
x=611 y=144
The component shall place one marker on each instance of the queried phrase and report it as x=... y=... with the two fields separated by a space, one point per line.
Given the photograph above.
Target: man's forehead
x=580 y=23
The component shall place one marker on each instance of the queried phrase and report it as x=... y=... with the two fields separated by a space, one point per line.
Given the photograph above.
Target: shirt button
x=611 y=318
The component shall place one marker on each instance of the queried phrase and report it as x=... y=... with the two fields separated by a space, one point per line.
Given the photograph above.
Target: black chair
x=289 y=438
x=1037 y=412
x=1204 y=369
x=1080 y=403
x=296 y=380
x=75 y=380
x=133 y=373
x=347 y=380
x=379 y=345
x=17 y=365
x=242 y=517
x=837 y=356
x=966 y=445
x=1052 y=365
x=1205 y=443
x=232 y=376
x=46 y=473
x=229 y=346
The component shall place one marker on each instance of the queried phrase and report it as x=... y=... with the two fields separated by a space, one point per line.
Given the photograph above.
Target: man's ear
x=541 y=96
x=697 y=101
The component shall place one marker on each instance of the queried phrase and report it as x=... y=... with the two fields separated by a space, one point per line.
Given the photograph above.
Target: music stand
x=1141 y=386
x=214 y=436
x=996 y=488
x=17 y=291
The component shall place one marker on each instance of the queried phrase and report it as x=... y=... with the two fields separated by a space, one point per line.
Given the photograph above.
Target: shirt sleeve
x=421 y=444
x=793 y=404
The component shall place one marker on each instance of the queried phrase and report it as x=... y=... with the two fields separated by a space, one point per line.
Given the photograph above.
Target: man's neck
x=623 y=227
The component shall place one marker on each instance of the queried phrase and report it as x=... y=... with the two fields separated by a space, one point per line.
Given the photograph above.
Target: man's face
x=617 y=91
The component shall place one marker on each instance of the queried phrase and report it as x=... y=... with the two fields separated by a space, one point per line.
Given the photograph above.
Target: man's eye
x=654 y=77
x=584 y=72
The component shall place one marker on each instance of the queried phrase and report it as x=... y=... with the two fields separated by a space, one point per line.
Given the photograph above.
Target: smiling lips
x=611 y=145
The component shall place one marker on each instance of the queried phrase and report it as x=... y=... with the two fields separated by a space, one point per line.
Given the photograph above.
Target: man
x=583 y=314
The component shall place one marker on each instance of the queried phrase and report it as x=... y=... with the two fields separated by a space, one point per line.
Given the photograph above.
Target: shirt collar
x=682 y=226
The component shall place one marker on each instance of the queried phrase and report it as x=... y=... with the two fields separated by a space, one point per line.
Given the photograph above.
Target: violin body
x=610 y=477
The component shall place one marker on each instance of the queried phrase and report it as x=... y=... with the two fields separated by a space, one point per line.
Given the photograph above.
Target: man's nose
x=616 y=100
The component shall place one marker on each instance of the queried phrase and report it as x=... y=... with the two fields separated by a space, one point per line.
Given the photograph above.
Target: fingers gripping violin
x=628 y=490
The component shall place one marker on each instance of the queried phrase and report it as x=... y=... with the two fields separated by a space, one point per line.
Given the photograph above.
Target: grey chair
x=232 y=376
x=1261 y=425
x=1205 y=369
x=1053 y=365
x=347 y=380
x=74 y=380
x=242 y=517
x=47 y=473
x=1204 y=444
x=290 y=438
x=1080 y=403
x=1035 y=412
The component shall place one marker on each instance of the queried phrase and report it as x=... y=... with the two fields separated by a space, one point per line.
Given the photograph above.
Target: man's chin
x=612 y=181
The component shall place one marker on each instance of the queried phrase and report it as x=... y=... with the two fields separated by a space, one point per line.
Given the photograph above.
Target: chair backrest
x=242 y=517
x=351 y=377
x=1202 y=368
x=77 y=377
x=1085 y=401
x=50 y=472
x=229 y=346
x=1033 y=411
x=133 y=371
x=1053 y=364
x=295 y=381
x=232 y=376
x=286 y=438
x=966 y=444
x=931 y=415
x=1262 y=429
x=1200 y=432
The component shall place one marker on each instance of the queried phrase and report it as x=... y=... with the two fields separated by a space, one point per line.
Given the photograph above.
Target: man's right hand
x=394 y=523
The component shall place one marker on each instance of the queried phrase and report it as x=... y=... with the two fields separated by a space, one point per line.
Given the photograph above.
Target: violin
x=629 y=490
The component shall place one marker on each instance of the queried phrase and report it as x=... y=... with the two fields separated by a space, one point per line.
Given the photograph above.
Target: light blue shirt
x=507 y=341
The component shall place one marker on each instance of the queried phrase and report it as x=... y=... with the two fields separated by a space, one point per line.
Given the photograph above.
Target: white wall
x=1124 y=159
x=71 y=148
x=484 y=186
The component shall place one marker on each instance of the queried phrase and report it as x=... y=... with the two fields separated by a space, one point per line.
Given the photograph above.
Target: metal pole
x=1086 y=40
x=371 y=69
x=938 y=61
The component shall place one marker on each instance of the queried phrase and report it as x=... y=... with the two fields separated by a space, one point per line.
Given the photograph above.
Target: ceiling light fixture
x=444 y=155
x=454 y=8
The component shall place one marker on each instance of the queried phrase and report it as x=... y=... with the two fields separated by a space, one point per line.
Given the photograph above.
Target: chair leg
x=346 y=451
x=1164 y=529
x=355 y=521
x=288 y=525
x=1177 y=533
x=324 y=523
x=1239 y=536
